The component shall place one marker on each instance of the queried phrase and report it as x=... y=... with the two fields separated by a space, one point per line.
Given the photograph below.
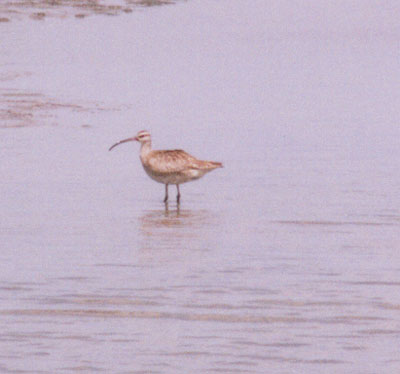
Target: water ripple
x=213 y=317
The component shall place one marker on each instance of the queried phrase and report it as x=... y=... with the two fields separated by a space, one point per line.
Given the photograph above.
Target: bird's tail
x=214 y=164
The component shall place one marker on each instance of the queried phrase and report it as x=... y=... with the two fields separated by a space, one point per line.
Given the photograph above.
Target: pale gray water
x=285 y=261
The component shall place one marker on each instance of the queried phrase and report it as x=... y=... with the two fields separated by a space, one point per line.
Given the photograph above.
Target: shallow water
x=283 y=261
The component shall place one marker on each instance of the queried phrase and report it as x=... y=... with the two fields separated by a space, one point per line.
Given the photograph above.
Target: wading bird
x=169 y=166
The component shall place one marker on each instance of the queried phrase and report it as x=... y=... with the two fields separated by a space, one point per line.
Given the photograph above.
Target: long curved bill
x=123 y=141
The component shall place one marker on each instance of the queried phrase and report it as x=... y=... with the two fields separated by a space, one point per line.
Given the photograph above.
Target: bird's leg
x=166 y=213
x=166 y=193
x=178 y=196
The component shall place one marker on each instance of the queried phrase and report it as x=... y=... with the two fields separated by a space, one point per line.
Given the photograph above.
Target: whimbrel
x=169 y=166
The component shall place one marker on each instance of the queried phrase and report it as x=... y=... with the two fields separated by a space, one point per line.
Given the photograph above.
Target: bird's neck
x=145 y=149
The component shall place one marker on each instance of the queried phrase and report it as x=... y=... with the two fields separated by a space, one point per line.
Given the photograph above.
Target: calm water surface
x=285 y=261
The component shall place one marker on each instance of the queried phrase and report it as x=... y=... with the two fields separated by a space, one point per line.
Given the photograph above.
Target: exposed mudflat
x=40 y=9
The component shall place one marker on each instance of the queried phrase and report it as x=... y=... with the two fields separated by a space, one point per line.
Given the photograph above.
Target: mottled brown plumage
x=169 y=166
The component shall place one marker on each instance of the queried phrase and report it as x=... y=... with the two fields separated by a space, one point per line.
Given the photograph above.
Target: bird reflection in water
x=175 y=212
x=173 y=227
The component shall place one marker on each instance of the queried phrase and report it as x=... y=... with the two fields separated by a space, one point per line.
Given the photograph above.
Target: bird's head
x=142 y=137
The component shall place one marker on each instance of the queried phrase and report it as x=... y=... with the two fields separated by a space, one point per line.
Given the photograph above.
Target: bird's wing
x=172 y=161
